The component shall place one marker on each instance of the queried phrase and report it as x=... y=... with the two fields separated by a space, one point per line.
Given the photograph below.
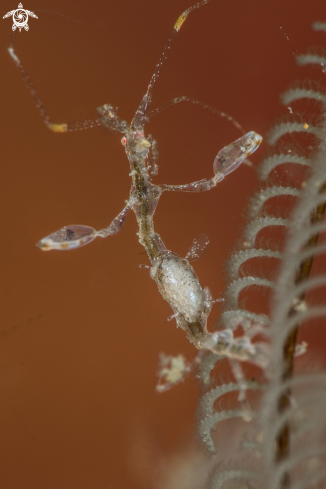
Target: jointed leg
x=227 y=160
x=116 y=224
x=75 y=236
x=199 y=186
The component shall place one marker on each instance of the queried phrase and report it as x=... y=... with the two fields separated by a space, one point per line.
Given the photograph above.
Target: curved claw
x=231 y=157
x=68 y=238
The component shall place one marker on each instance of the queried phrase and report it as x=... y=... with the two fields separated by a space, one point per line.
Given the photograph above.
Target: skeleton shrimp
x=176 y=280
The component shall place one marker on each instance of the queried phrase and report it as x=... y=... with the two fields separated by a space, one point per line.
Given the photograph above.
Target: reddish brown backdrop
x=84 y=328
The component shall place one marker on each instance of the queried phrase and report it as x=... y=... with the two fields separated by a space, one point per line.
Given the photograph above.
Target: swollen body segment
x=176 y=280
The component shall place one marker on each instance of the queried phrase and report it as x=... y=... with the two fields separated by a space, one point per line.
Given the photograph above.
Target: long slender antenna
x=178 y=100
x=64 y=127
x=140 y=116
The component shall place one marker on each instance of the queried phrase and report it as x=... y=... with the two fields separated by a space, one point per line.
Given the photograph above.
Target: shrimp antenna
x=140 y=116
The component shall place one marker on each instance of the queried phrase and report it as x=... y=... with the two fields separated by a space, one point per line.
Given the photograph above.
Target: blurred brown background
x=81 y=331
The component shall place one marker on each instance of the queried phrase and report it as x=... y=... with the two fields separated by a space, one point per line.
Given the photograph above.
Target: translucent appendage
x=68 y=238
x=231 y=157
x=110 y=120
x=172 y=370
x=116 y=224
x=153 y=155
x=198 y=247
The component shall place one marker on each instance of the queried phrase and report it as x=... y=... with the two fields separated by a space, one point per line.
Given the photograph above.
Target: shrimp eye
x=124 y=141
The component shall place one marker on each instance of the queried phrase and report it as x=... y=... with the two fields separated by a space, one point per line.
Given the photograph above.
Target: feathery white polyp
x=304 y=464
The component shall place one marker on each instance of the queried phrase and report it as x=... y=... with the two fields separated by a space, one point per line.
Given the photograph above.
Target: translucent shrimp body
x=176 y=280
